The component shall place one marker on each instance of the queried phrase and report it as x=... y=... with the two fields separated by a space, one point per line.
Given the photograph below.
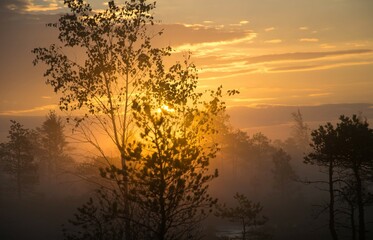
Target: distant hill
x=275 y=121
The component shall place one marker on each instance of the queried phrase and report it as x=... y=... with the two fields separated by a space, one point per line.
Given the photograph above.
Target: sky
x=285 y=53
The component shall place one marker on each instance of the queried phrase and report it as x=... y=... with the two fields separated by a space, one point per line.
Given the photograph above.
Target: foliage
x=162 y=183
x=99 y=220
x=53 y=158
x=301 y=131
x=173 y=152
x=283 y=172
x=17 y=156
x=116 y=56
x=246 y=213
x=346 y=151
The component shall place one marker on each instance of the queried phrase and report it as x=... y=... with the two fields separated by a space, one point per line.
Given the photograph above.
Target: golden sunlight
x=165 y=108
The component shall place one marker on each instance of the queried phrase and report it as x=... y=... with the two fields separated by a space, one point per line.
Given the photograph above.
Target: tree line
x=32 y=156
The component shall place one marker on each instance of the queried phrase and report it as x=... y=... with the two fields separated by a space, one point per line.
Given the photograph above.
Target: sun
x=165 y=108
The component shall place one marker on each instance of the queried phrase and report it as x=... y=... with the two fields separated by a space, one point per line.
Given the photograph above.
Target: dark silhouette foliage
x=18 y=157
x=346 y=152
x=247 y=214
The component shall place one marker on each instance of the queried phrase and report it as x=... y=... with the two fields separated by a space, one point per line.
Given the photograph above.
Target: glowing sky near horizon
x=275 y=52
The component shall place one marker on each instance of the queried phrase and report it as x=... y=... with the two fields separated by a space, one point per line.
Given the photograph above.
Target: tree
x=173 y=152
x=123 y=80
x=248 y=214
x=324 y=154
x=301 y=131
x=18 y=157
x=356 y=156
x=283 y=172
x=347 y=152
x=53 y=143
x=100 y=218
x=168 y=162
x=116 y=57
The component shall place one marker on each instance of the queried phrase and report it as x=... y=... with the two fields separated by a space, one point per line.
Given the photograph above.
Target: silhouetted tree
x=324 y=154
x=283 y=173
x=355 y=153
x=116 y=58
x=301 y=131
x=247 y=214
x=168 y=163
x=17 y=157
x=100 y=218
x=173 y=153
x=347 y=152
x=52 y=145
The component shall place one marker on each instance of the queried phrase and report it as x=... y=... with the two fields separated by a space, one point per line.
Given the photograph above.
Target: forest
x=138 y=151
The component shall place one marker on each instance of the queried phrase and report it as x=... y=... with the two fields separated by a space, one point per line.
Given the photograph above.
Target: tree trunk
x=352 y=219
x=162 y=230
x=19 y=191
x=360 y=204
x=127 y=223
x=331 y=202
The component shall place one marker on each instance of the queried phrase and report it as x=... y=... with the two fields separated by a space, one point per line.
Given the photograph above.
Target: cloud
x=269 y=29
x=304 y=55
x=195 y=26
x=181 y=34
x=308 y=40
x=319 y=94
x=303 y=28
x=251 y=99
x=274 y=41
x=276 y=63
x=23 y=6
x=48 y=5
x=31 y=110
x=207 y=47
x=13 y=5
x=318 y=67
x=327 y=46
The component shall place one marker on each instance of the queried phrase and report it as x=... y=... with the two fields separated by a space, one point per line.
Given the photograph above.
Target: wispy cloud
x=269 y=29
x=285 y=62
x=303 y=28
x=208 y=47
x=13 y=5
x=304 y=55
x=319 y=94
x=251 y=99
x=309 y=40
x=195 y=26
x=318 y=67
x=26 y=111
x=48 y=5
x=274 y=41
x=327 y=46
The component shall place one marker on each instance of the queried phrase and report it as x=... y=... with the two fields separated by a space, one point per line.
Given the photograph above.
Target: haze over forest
x=255 y=124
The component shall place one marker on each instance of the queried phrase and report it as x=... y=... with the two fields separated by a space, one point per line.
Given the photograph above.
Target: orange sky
x=275 y=52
